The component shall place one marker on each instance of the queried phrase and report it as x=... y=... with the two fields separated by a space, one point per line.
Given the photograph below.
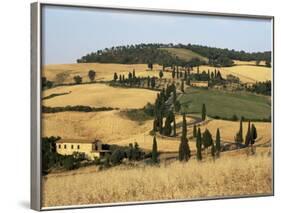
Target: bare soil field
x=99 y=95
x=227 y=176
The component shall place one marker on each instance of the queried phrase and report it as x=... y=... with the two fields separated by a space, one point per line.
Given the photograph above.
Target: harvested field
x=99 y=95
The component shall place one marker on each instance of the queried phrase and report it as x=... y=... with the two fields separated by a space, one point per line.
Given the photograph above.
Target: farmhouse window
x=65 y=146
x=78 y=146
x=72 y=146
x=59 y=146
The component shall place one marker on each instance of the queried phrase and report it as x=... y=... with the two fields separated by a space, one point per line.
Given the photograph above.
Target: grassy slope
x=185 y=54
x=226 y=104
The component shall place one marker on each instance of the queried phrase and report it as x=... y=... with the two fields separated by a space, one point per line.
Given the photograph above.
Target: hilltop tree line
x=153 y=54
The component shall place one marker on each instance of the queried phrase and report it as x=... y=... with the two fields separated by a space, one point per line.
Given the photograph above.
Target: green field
x=185 y=54
x=226 y=104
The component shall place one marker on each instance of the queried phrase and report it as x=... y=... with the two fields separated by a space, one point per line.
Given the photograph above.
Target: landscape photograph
x=142 y=106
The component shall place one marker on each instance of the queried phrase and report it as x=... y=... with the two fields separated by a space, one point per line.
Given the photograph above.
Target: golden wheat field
x=99 y=95
x=237 y=62
x=246 y=73
x=227 y=176
x=64 y=73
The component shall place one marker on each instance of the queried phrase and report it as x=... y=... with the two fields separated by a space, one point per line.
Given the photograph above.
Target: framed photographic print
x=137 y=106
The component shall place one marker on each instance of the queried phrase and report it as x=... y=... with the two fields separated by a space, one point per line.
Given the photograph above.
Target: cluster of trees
x=46 y=84
x=261 y=88
x=162 y=110
x=205 y=140
x=135 y=81
x=132 y=153
x=91 y=75
x=220 y=54
x=251 y=134
x=132 y=54
x=152 y=53
x=78 y=108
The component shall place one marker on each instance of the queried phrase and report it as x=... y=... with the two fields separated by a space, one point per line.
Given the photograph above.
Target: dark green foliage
x=117 y=156
x=173 y=73
x=261 y=88
x=133 y=153
x=268 y=63
x=154 y=156
x=218 y=142
x=194 y=131
x=46 y=84
x=77 y=79
x=184 y=150
x=46 y=109
x=154 y=53
x=248 y=137
x=199 y=145
x=92 y=75
x=168 y=121
x=254 y=134
x=177 y=106
x=55 y=95
x=161 y=74
x=115 y=76
x=182 y=85
x=203 y=114
x=152 y=83
x=150 y=66
x=207 y=139
x=239 y=134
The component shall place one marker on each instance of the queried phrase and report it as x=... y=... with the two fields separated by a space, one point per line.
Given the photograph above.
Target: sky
x=68 y=33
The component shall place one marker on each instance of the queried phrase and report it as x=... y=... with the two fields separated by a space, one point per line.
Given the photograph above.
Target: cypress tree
x=254 y=134
x=248 y=135
x=239 y=135
x=154 y=154
x=182 y=85
x=194 y=131
x=173 y=73
x=218 y=142
x=184 y=150
x=161 y=74
x=199 y=145
x=115 y=77
x=203 y=112
x=207 y=139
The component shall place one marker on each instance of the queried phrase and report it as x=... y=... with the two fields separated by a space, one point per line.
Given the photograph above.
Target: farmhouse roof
x=77 y=141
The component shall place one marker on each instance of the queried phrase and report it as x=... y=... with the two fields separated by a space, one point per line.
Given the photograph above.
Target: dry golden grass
x=246 y=73
x=227 y=176
x=237 y=62
x=64 y=73
x=100 y=95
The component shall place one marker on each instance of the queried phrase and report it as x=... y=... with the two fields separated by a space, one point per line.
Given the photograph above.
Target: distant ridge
x=170 y=54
